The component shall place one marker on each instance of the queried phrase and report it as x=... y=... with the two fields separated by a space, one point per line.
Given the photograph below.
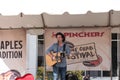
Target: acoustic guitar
x=50 y=61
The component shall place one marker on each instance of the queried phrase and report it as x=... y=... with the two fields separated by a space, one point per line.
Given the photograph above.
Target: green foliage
x=40 y=72
x=49 y=76
x=78 y=73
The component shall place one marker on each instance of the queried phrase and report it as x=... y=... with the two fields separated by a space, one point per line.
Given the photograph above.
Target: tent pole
x=109 y=24
x=118 y=55
x=44 y=73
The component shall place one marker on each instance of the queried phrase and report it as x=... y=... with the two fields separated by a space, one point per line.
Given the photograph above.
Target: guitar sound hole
x=62 y=55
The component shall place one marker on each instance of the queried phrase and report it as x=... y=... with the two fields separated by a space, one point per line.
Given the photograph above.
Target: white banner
x=90 y=47
x=12 y=53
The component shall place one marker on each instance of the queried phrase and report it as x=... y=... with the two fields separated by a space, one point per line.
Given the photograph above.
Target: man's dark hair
x=15 y=74
x=62 y=35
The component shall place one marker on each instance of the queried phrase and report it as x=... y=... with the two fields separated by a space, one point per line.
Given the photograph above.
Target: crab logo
x=93 y=63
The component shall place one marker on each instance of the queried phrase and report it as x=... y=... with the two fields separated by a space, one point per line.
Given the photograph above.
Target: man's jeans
x=59 y=71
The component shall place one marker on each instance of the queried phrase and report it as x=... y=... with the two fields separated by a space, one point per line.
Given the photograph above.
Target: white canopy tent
x=35 y=25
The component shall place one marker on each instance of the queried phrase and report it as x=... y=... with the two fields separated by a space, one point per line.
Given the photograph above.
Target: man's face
x=59 y=38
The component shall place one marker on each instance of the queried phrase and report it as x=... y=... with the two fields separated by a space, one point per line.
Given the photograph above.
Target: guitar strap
x=64 y=51
x=57 y=53
x=64 y=48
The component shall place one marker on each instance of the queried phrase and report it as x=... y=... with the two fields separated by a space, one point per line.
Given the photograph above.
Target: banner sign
x=12 y=53
x=90 y=47
x=80 y=53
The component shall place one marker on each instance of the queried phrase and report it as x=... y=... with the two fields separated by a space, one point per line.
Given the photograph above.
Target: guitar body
x=51 y=62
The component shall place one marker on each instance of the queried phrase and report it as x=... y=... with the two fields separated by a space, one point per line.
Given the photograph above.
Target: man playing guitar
x=59 y=68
